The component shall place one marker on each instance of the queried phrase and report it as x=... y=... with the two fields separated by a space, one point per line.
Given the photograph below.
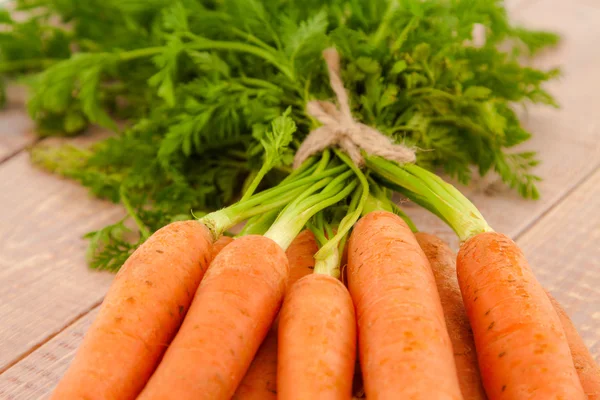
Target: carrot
x=443 y=263
x=220 y=245
x=521 y=345
x=317 y=340
x=260 y=382
x=140 y=315
x=587 y=369
x=229 y=317
x=404 y=348
x=300 y=255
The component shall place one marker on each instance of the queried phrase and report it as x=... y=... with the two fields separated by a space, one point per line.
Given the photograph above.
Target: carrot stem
x=292 y=219
x=259 y=224
x=433 y=193
x=331 y=248
x=277 y=197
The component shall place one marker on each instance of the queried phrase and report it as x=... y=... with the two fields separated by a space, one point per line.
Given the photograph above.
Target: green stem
x=430 y=191
x=144 y=231
x=256 y=181
x=374 y=204
x=354 y=214
x=259 y=224
x=277 y=197
x=329 y=265
x=199 y=43
x=433 y=91
x=291 y=221
x=399 y=42
x=251 y=38
x=139 y=53
x=18 y=65
x=382 y=29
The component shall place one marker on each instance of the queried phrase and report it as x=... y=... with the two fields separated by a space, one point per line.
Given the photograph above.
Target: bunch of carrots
x=328 y=292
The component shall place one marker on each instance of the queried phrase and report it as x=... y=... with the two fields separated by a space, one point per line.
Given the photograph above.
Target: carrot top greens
x=204 y=87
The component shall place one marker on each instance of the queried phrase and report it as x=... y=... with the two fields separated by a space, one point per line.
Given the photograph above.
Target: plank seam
x=560 y=200
x=15 y=153
x=49 y=337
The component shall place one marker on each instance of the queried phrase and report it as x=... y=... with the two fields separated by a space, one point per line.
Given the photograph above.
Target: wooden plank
x=44 y=284
x=36 y=376
x=566 y=139
x=563 y=251
x=16 y=128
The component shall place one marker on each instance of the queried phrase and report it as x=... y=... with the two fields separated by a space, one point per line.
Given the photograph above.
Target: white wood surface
x=564 y=252
x=36 y=376
x=45 y=282
x=45 y=286
x=16 y=128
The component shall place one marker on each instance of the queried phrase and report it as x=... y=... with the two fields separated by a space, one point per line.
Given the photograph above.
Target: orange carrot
x=317 y=340
x=229 y=317
x=220 y=245
x=404 y=347
x=521 y=345
x=140 y=315
x=300 y=255
x=443 y=263
x=260 y=381
x=587 y=369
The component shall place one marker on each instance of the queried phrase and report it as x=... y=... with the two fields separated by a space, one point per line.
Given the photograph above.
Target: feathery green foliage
x=199 y=82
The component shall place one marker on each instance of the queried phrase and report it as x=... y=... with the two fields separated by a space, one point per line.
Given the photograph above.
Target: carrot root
x=443 y=263
x=317 y=340
x=404 y=347
x=229 y=317
x=260 y=381
x=521 y=345
x=140 y=315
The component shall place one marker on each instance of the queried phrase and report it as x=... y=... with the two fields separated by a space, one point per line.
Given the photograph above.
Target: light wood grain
x=16 y=128
x=36 y=376
x=567 y=139
x=44 y=282
x=563 y=250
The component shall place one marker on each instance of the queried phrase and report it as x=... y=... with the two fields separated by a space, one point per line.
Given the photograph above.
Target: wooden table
x=48 y=297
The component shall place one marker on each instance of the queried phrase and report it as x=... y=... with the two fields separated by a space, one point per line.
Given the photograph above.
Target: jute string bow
x=340 y=129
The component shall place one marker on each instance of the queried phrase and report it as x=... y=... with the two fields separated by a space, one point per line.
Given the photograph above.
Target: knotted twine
x=341 y=130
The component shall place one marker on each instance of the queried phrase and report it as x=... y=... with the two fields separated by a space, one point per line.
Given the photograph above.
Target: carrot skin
x=443 y=263
x=404 y=347
x=260 y=381
x=317 y=340
x=229 y=317
x=220 y=245
x=586 y=367
x=521 y=345
x=301 y=254
x=139 y=316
